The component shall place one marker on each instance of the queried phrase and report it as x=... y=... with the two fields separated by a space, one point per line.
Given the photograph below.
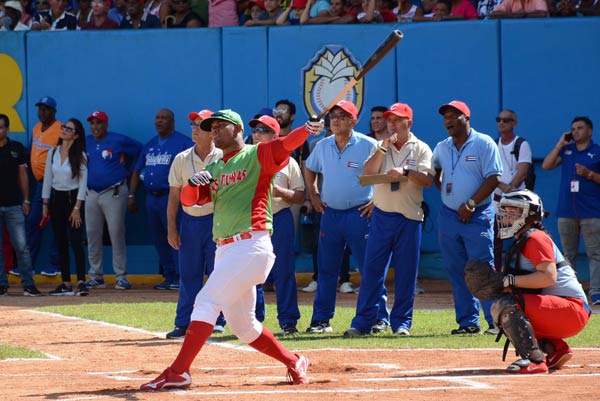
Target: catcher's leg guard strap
x=519 y=331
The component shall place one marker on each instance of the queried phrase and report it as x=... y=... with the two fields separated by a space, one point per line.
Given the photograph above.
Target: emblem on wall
x=330 y=69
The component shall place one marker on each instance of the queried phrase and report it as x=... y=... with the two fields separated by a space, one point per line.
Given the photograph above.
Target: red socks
x=196 y=335
x=268 y=345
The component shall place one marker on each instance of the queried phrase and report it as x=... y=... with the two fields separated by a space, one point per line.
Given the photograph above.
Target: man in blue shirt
x=155 y=162
x=579 y=196
x=345 y=204
x=468 y=169
x=107 y=154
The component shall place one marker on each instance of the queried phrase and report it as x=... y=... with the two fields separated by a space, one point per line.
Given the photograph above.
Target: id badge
x=394 y=186
x=448 y=188
x=574 y=186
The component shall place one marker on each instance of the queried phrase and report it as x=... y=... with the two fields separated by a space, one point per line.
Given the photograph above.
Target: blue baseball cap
x=47 y=101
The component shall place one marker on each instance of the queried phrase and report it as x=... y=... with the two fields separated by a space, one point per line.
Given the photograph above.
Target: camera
x=569 y=136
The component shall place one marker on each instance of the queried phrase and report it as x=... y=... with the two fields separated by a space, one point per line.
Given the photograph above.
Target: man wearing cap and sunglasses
x=471 y=167
x=106 y=201
x=240 y=186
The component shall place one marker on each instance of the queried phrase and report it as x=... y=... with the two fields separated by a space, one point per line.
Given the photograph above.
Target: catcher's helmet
x=531 y=207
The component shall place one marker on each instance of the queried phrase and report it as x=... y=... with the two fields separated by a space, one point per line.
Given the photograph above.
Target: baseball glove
x=482 y=280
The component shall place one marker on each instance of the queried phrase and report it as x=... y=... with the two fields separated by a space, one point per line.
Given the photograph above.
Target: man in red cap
x=193 y=237
x=107 y=197
x=468 y=169
x=395 y=224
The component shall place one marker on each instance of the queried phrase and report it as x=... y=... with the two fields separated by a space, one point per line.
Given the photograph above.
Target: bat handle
x=314 y=118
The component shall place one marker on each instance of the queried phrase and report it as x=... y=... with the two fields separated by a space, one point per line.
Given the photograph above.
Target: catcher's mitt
x=482 y=280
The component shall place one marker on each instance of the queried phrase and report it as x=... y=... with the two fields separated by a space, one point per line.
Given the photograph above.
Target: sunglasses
x=194 y=125
x=262 y=130
x=280 y=112
x=504 y=120
x=67 y=129
x=338 y=116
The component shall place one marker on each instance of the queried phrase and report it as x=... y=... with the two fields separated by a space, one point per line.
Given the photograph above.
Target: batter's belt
x=237 y=237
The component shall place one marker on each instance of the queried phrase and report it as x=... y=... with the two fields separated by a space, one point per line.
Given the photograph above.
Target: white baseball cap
x=14 y=4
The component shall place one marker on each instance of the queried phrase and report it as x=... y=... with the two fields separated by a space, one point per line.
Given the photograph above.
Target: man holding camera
x=578 y=207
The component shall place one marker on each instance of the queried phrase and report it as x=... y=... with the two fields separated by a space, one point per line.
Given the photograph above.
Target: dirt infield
x=95 y=361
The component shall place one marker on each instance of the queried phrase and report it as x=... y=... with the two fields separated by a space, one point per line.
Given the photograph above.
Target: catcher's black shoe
x=466 y=330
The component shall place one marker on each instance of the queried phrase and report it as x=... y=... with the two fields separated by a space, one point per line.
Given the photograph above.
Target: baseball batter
x=241 y=192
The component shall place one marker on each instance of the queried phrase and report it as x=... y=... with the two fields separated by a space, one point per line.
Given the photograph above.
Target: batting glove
x=200 y=178
x=314 y=127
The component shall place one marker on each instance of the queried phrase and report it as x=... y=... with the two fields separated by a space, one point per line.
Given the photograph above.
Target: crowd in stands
x=22 y=15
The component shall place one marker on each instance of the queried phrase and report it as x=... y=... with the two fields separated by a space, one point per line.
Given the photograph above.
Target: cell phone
x=44 y=220
x=569 y=136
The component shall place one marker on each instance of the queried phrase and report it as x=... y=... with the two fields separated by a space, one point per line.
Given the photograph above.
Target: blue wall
x=546 y=70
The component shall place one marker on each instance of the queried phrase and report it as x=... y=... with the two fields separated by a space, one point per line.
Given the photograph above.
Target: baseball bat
x=383 y=49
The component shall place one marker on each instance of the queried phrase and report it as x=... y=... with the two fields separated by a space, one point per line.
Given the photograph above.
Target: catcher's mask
x=516 y=209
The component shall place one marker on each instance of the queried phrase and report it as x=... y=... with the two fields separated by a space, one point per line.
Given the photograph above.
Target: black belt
x=159 y=193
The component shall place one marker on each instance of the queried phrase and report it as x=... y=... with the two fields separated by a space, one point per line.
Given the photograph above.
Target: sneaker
x=379 y=327
x=558 y=359
x=168 y=379
x=311 y=287
x=297 y=373
x=419 y=290
x=174 y=286
x=95 y=283
x=346 y=288
x=31 y=291
x=596 y=299
x=356 y=290
x=218 y=329
x=319 y=326
x=289 y=329
x=3 y=291
x=177 y=333
x=14 y=272
x=402 y=331
x=525 y=366
x=62 y=290
x=122 y=284
x=352 y=332
x=82 y=290
x=50 y=272
x=492 y=330
x=466 y=330
x=165 y=285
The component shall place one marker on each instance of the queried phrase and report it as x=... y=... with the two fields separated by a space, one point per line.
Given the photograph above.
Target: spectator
x=562 y=8
x=193 y=238
x=462 y=9
x=589 y=7
x=405 y=11
x=485 y=7
x=100 y=20
x=55 y=18
x=118 y=12
x=318 y=8
x=292 y=13
x=38 y=6
x=159 y=8
x=136 y=18
x=65 y=185
x=439 y=12
x=44 y=137
x=222 y=13
x=26 y=18
x=84 y=13
x=520 y=9
x=368 y=13
x=578 y=208
x=378 y=125
x=395 y=225
x=107 y=195
x=154 y=163
x=269 y=16
x=12 y=19
x=337 y=14
x=254 y=10
x=288 y=189
x=468 y=169
x=182 y=16
x=346 y=206
x=12 y=210
x=514 y=170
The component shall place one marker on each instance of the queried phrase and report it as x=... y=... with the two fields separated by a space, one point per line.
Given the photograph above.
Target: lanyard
x=454 y=164
x=410 y=152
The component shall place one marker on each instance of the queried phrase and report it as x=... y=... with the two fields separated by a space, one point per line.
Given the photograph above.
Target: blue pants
x=284 y=269
x=389 y=233
x=34 y=233
x=338 y=228
x=13 y=217
x=460 y=242
x=156 y=208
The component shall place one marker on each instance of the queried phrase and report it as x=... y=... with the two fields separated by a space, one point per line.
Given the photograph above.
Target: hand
x=75 y=218
x=389 y=140
x=317 y=203
x=581 y=170
x=309 y=206
x=396 y=173
x=278 y=191
x=464 y=215
x=26 y=208
x=200 y=178
x=132 y=205
x=563 y=140
x=44 y=211
x=314 y=127
x=173 y=239
x=366 y=209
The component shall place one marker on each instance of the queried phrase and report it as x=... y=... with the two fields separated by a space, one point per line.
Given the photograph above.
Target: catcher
x=539 y=301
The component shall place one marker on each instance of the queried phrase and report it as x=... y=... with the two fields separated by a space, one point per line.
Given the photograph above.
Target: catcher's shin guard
x=519 y=331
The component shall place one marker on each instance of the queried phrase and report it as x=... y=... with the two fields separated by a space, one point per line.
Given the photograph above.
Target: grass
x=431 y=328
x=10 y=351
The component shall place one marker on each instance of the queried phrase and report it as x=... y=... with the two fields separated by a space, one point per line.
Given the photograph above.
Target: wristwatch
x=471 y=203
